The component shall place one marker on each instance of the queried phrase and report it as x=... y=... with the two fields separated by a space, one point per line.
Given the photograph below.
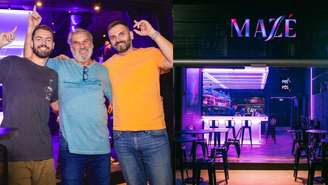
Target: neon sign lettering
x=262 y=28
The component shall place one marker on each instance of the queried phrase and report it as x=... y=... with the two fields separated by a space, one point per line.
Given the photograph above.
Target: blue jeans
x=73 y=167
x=144 y=156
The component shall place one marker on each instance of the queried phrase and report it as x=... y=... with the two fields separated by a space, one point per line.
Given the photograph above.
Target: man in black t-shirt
x=29 y=88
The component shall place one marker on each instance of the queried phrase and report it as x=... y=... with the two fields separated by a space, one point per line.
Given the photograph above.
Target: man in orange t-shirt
x=140 y=136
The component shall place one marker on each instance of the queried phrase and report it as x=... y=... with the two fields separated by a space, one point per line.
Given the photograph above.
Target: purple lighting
x=246 y=70
x=75 y=20
x=246 y=78
x=12 y=18
x=214 y=80
x=311 y=95
x=192 y=100
x=1 y=117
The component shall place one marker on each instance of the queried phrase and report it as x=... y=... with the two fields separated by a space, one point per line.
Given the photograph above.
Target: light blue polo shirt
x=83 y=114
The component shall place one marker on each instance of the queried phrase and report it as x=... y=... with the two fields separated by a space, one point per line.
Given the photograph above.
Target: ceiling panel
x=235 y=78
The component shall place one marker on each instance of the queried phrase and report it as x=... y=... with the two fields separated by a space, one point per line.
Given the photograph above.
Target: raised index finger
x=14 y=30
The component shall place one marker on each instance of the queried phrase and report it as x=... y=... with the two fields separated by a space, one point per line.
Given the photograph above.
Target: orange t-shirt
x=137 y=103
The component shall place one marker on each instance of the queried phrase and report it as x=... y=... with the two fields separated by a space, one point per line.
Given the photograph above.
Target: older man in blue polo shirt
x=83 y=85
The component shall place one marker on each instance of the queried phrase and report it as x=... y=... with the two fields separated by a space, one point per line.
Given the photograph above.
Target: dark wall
x=288 y=106
x=202 y=30
x=298 y=77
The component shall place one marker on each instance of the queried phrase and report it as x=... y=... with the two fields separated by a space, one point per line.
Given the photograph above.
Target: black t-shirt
x=28 y=90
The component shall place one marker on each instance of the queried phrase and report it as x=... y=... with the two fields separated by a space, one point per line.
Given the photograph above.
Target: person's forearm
x=27 y=43
x=166 y=48
x=33 y=21
x=144 y=28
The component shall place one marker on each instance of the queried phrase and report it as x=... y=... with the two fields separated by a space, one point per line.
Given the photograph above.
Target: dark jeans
x=144 y=156
x=73 y=167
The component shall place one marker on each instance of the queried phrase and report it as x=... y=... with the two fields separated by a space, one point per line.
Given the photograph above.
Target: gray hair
x=79 y=30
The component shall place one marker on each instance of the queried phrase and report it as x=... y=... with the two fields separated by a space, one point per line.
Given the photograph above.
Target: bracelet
x=154 y=35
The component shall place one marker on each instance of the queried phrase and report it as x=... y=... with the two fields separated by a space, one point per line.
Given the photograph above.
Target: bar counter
x=256 y=121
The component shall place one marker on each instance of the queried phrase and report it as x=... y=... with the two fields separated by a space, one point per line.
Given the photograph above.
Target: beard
x=123 y=46
x=42 y=53
x=80 y=58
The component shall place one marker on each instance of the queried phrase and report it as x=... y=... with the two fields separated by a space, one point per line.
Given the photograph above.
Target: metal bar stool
x=247 y=124
x=230 y=124
x=212 y=126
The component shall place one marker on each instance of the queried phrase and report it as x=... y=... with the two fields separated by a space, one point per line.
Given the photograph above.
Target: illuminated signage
x=285 y=84
x=266 y=29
